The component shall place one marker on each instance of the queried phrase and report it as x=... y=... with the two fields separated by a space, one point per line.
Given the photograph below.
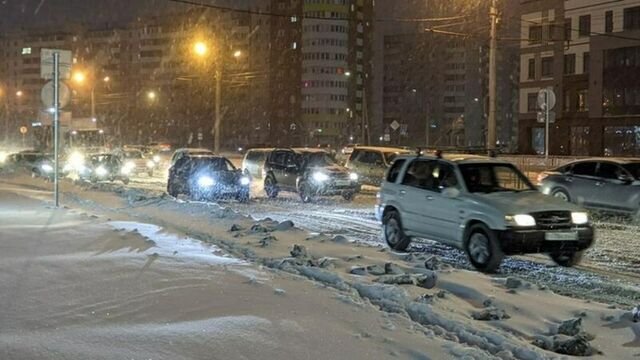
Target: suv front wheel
x=483 y=248
x=567 y=259
x=394 y=233
x=270 y=187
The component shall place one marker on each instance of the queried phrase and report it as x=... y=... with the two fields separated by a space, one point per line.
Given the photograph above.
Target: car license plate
x=561 y=236
x=342 y=183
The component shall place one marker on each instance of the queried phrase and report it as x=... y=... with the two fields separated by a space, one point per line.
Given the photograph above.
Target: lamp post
x=201 y=49
x=80 y=78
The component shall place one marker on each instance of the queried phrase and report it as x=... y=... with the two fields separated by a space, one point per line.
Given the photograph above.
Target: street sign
x=546 y=97
x=395 y=125
x=46 y=63
x=23 y=130
x=200 y=136
x=47 y=95
x=542 y=117
x=387 y=137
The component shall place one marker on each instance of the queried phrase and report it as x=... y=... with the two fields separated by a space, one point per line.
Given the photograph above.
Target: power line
x=268 y=13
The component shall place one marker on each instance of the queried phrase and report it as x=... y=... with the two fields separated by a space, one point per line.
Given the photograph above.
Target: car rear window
x=255 y=155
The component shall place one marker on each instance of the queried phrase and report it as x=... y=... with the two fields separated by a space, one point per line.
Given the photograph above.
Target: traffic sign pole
x=56 y=126
x=546 y=129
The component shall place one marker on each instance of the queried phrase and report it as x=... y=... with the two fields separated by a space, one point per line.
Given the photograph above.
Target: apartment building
x=588 y=51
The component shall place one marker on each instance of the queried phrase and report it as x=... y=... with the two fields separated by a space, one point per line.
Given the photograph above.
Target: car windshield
x=212 y=164
x=319 y=159
x=634 y=169
x=491 y=178
x=133 y=154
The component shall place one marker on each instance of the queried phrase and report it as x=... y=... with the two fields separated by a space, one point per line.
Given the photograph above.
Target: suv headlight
x=101 y=171
x=523 y=220
x=206 y=181
x=244 y=181
x=150 y=164
x=579 y=218
x=47 y=168
x=320 y=177
x=353 y=177
x=156 y=158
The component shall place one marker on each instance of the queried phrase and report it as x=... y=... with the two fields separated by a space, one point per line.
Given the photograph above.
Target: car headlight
x=47 y=168
x=156 y=159
x=3 y=157
x=206 y=181
x=244 y=181
x=521 y=220
x=76 y=161
x=320 y=177
x=579 y=218
x=101 y=171
x=151 y=164
x=353 y=177
x=130 y=164
x=126 y=170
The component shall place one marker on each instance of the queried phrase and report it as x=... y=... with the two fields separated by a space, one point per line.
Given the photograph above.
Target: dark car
x=104 y=167
x=207 y=177
x=309 y=173
x=607 y=184
x=371 y=163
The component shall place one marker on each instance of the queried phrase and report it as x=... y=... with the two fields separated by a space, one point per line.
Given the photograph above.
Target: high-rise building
x=588 y=53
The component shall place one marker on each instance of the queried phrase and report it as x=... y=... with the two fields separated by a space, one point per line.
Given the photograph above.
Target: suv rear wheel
x=270 y=187
x=349 y=195
x=306 y=192
x=171 y=188
x=561 y=194
x=567 y=259
x=483 y=248
x=394 y=233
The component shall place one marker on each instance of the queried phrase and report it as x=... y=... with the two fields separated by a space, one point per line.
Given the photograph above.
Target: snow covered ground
x=347 y=279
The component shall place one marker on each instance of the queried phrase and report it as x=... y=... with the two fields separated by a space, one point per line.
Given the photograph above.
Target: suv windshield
x=212 y=164
x=634 y=169
x=318 y=159
x=490 y=178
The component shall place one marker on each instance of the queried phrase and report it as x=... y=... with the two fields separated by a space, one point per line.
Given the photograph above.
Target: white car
x=481 y=205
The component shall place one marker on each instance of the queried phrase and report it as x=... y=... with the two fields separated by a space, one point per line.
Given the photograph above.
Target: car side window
x=279 y=157
x=423 y=174
x=609 y=171
x=355 y=156
x=395 y=169
x=448 y=178
x=375 y=158
x=584 y=169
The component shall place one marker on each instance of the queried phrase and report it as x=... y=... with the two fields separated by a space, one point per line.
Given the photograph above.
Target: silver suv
x=481 y=205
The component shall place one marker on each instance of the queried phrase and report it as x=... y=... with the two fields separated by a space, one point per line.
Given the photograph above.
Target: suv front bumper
x=516 y=241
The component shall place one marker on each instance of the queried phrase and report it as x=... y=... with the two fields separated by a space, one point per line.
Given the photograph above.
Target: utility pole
x=218 y=120
x=93 y=102
x=493 y=83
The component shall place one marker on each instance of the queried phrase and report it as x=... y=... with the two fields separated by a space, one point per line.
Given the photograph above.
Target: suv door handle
x=429 y=197
x=568 y=179
x=599 y=183
x=402 y=192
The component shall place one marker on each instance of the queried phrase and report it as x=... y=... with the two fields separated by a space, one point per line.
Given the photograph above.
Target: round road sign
x=47 y=95
x=23 y=130
x=546 y=97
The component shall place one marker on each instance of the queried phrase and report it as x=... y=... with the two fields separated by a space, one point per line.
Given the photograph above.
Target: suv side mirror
x=626 y=178
x=451 y=193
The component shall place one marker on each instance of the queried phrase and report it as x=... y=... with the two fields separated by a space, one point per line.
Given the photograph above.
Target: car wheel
x=349 y=195
x=483 y=249
x=394 y=233
x=561 y=194
x=171 y=189
x=125 y=181
x=270 y=187
x=306 y=192
x=567 y=259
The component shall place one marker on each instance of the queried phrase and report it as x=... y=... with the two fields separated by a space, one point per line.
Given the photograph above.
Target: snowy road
x=609 y=271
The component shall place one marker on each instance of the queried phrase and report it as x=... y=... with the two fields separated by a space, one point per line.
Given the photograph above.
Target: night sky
x=49 y=13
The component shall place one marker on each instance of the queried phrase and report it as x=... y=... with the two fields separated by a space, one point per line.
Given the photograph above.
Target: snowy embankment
x=465 y=313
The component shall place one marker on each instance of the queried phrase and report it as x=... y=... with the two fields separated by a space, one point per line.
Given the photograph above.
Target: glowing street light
x=106 y=79
x=200 y=48
x=151 y=95
x=79 y=77
x=237 y=54
x=19 y=93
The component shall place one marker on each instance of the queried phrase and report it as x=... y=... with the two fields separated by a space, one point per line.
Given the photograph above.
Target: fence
x=532 y=165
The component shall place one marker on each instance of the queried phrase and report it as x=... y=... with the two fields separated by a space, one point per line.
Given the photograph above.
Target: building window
x=532 y=102
x=632 y=18
x=583 y=100
x=532 y=69
x=580 y=140
x=566 y=105
x=621 y=140
x=608 y=21
x=584 y=28
x=586 y=63
x=570 y=64
x=567 y=29
x=535 y=34
x=547 y=66
x=537 y=140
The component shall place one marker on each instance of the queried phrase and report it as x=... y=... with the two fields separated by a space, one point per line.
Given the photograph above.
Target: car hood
x=527 y=202
x=329 y=170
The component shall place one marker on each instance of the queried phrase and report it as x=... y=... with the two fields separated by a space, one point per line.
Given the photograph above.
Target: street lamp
x=106 y=79
x=80 y=77
x=151 y=95
x=201 y=49
x=19 y=93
